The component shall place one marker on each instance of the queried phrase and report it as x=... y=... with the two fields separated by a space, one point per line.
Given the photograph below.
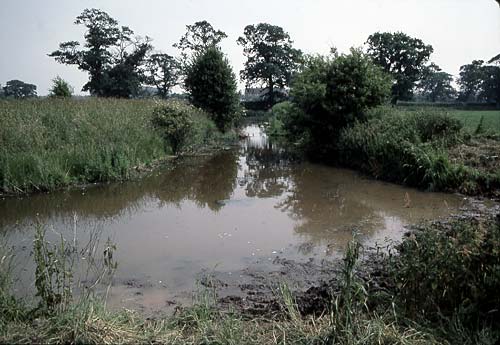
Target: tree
x=110 y=55
x=60 y=88
x=436 y=85
x=271 y=58
x=402 y=56
x=198 y=37
x=490 y=86
x=19 y=89
x=162 y=71
x=211 y=84
x=334 y=92
x=470 y=81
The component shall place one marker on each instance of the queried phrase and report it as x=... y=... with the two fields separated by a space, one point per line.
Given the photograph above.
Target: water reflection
x=225 y=210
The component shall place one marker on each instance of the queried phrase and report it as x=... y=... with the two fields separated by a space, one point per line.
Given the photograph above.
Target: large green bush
x=333 y=93
x=174 y=121
x=211 y=84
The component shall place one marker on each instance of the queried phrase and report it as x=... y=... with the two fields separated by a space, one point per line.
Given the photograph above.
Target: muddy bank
x=315 y=283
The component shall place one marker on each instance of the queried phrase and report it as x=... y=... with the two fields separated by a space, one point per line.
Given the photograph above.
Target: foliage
x=50 y=143
x=211 y=84
x=402 y=56
x=53 y=276
x=406 y=147
x=271 y=58
x=436 y=85
x=19 y=89
x=60 y=88
x=451 y=269
x=199 y=37
x=332 y=93
x=162 y=71
x=174 y=121
x=479 y=82
x=112 y=56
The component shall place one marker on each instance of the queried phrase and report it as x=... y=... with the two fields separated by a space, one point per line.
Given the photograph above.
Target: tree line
x=120 y=64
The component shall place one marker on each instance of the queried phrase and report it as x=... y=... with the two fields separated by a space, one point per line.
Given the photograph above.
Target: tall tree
x=470 y=81
x=436 y=85
x=110 y=55
x=162 y=71
x=271 y=58
x=402 y=56
x=19 y=89
x=211 y=84
x=199 y=37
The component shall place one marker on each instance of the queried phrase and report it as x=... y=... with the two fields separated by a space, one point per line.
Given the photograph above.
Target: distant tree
x=19 y=89
x=470 y=81
x=1 y=91
x=198 y=37
x=490 y=87
x=211 y=84
x=111 y=55
x=402 y=56
x=271 y=58
x=436 y=85
x=162 y=71
x=479 y=82
x=60 y=88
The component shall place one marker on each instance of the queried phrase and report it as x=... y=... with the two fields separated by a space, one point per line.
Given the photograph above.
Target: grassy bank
x=51 y=143
x=439 y=286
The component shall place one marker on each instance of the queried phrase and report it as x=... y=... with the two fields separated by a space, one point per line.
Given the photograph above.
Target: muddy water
x=240 y=207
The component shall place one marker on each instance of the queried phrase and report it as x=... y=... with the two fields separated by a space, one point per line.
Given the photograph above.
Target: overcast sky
x=459 y=30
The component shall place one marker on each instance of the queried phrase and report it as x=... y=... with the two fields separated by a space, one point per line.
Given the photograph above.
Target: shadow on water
x=226 y=210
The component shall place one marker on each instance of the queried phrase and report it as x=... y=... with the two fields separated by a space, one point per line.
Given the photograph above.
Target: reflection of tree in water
x=327 y=209
x=206 y=180
x=267 y=173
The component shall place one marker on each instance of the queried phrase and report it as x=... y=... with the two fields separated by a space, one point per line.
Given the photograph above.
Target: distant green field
x=471 y=118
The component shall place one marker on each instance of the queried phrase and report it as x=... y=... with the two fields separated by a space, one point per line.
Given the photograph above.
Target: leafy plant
x=174 y=122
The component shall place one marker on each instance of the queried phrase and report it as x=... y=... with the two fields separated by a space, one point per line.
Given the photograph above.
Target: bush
x=211 y=84
x=333 y=93
x=174 y=122
x=407 y=147
x=60 y=88
x=447 y=269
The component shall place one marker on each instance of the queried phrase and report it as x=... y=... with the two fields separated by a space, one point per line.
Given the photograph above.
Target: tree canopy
x=211 y=84
x=199 y=37
x=111 y=55
x=436 y=85
x=271 y=58
x=162 y=71
x=19 y=89
x=402 y=56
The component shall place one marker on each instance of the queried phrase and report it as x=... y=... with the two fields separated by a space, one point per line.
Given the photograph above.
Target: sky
x=459 y=30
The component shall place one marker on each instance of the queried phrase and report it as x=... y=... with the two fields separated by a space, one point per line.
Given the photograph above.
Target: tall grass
x=51 y=143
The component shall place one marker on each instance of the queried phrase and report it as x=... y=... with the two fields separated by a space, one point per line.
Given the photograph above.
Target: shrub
x=175 y=123
x=406 y=147
x=211 y=84
x=60 y=88
x=335 y=92
x=451 y=268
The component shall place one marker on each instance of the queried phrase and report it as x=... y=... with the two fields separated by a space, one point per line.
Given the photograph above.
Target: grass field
x=51 y=143
x=471 y=119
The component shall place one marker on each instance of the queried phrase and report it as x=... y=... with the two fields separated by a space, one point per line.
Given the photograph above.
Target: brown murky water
x=221 y=213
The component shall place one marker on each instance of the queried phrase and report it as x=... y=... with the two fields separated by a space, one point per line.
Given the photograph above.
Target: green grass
x=471 y=118
x=51 y=143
